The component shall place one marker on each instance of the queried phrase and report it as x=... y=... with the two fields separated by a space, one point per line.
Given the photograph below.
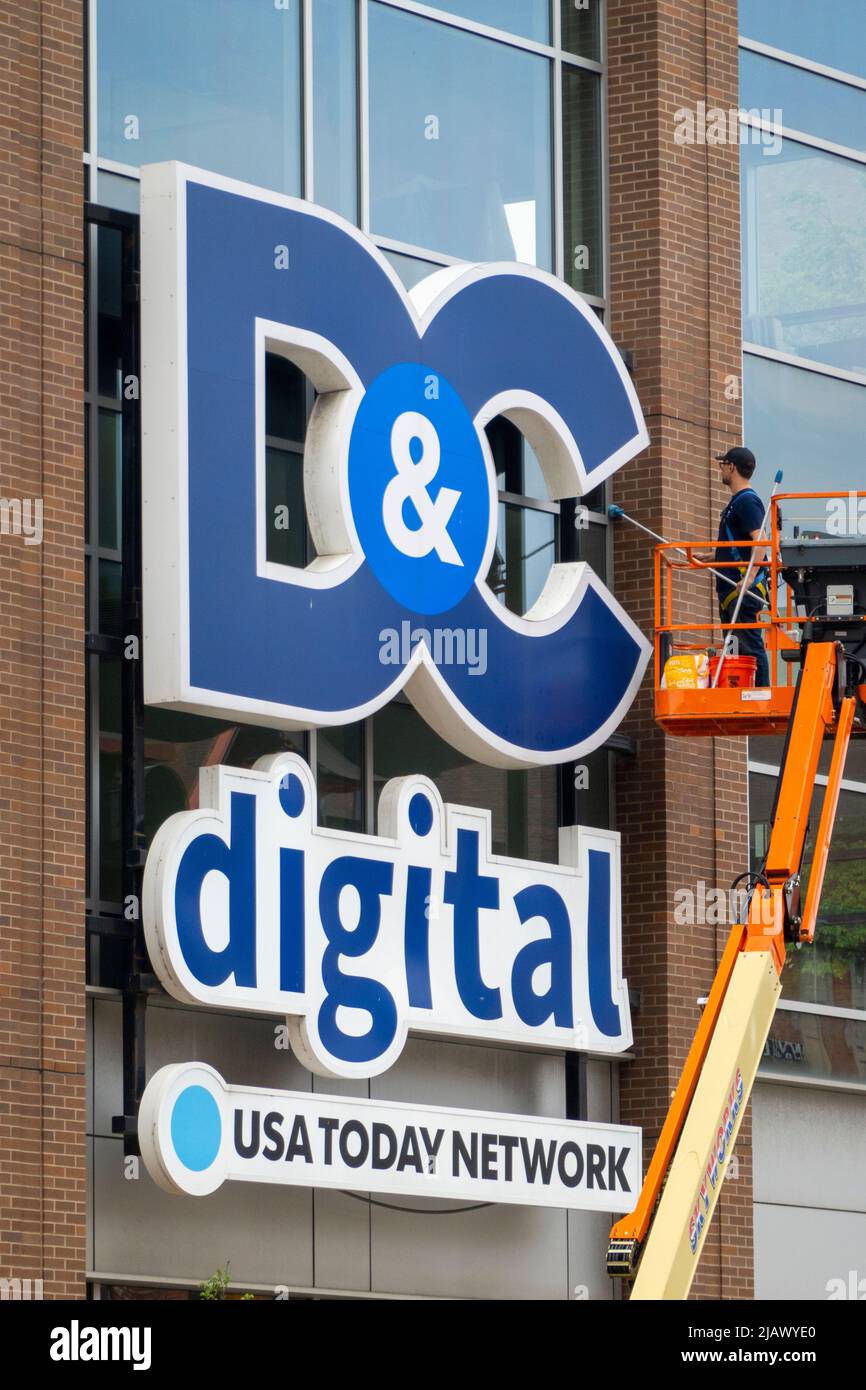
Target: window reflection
x=109 y=879
x=340 y=777
x=812 y=104
x=525 y=551
x=411 y=269
x=177 y=745
x=584 y=254
x=525 y=546
x=831 y=971
x=288 y=396
x=815 y=1046
x=522 y=804
x=810 y=425
x=460 y=141
x=581 y=27
x=529 y=18
x=213 y=82
x=804 y=253
x=335 y=101
x=831 y=34
x=110 y=460
x=110 y=310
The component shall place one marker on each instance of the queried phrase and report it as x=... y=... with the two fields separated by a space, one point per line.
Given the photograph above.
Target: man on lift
x=742 y=520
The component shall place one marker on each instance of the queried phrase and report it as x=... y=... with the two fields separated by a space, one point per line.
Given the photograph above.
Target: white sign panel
x=356 y=939
x=197 y=1132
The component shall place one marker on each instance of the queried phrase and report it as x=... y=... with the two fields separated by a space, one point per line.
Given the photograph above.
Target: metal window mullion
x=797 y=60
x=450 y=20
x=363 y=18
x=93 y=829
x=367 y=774
x=285 y=446
x=132 y=710
x=574 y=60
x=804 y=364
x=530 y=504
x=558 y=171
x=799 y=137
x=92 y=99
x=604 y=165
x=308 y=172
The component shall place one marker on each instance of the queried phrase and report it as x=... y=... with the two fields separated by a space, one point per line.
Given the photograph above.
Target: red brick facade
x=42 y=731
x=675 y=296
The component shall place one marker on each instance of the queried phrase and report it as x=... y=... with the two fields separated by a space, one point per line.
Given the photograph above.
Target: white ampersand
x=410 y=484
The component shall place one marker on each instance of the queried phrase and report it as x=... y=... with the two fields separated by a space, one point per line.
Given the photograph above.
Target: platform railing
x=779 y=623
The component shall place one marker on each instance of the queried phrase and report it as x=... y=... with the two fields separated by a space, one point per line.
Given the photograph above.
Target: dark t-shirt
x=743 y=515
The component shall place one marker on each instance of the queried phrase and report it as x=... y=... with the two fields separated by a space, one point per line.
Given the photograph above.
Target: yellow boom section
x=673 y=1246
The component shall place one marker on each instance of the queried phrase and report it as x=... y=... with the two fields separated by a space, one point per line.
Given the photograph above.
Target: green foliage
x=214 y=1288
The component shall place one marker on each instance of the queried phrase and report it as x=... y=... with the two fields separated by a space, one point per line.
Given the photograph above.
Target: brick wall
x=675 y=295
x=42 y=1178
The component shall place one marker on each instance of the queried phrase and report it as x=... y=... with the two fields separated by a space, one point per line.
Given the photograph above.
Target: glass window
x=335 y=106
x=213 y=82
x=287 y=537
x=285 y=399
x=110 y=782
x=115 y=191
x=110 y=311
x=768 y=749
x=410 y=269
x=525 y=551
x=110 y=598
x=586 y=786
x=522 y=804
x=815 y=105
x=287 y=393
x=581 y=146
x=110 y=462
x=581 y=27
x=459 y=141
x=809 y=425
x=177 y=745
x=526 y=535
x=529 y=18
x=340 y=777
x=832 y=970
x=817 y=1046
x=804 y=254
x=833 y=34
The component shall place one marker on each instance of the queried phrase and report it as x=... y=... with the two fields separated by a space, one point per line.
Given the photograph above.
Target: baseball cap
x=738 y=456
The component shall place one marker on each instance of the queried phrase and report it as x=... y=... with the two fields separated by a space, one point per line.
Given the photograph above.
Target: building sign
x=196 y=1132
x=356 y=939
x=399 y=482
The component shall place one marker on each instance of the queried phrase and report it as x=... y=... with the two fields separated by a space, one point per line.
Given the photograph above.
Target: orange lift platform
x=815 y=635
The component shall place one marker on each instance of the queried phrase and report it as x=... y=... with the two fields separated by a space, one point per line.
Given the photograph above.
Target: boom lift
x=822 y=629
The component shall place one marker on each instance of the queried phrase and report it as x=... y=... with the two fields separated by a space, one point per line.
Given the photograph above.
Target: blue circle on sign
x=418 y=488
x=420 y=814
x=196 y=1128
x=292 y=794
